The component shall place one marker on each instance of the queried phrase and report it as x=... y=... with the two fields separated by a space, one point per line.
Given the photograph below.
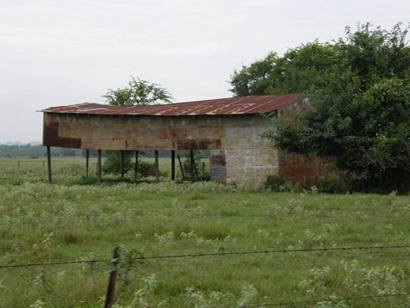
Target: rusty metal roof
x=223 y=106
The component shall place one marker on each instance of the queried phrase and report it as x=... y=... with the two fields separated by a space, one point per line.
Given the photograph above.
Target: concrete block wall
x=238 y=152
x=249 y=156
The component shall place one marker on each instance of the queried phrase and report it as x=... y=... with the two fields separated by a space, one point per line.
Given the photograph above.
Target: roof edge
x=240 y=105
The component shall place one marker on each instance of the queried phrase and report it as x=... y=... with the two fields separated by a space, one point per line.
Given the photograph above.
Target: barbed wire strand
x=210 y=254
x=53 y=263
x=269 y=251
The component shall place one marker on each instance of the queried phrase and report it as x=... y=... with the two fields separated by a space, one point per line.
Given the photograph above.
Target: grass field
x=71 y=220
x=68 y=171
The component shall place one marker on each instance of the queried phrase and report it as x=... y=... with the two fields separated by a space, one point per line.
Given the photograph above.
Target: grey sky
x=66 y=52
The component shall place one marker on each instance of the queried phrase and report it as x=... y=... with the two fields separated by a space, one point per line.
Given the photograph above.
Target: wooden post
x=87 y=162
x=99 y=166
x=195 y=167
x=191 y=164
x=180 y=166
x=122 y=164
x=136 y=166
x=194 y=170
x=109 y=298
x=156 y=166
x=173 y=165
x=49 y=164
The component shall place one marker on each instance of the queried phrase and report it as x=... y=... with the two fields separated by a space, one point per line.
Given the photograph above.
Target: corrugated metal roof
x=222 y=106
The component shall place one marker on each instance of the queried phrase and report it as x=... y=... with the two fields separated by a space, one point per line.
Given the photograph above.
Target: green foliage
x=276 y=183
x=112 y=162
x=359 y=111
x=138 y=92
x=297 y=70
x=333 y=186
x=145 y=168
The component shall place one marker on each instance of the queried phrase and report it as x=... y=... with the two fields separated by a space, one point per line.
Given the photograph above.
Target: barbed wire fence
x=116 y=259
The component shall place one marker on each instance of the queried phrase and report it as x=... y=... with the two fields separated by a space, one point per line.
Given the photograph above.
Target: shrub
x=276 y=183
x=333 y=186
x=112 y=163
x=145 y=168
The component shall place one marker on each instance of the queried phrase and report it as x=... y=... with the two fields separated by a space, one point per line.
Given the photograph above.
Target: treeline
x=34 y=151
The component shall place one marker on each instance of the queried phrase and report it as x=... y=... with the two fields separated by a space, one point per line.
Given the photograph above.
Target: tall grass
x=71 y=221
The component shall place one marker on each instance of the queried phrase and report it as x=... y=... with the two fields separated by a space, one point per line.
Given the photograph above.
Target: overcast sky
x=70 y=51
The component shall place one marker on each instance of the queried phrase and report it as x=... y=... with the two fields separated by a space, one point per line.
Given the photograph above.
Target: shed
x=231 y=128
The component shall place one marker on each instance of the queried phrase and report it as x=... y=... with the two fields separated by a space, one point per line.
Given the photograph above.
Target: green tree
x=298 y=70
x=139 y=92
x=358 y=113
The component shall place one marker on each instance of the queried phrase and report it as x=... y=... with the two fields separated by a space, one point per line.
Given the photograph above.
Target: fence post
x=156 y=166
x=109 y=298
x=194 y=170
x=122 y=164
x=99 y=166
x=173 y=165
x=180 y=166
x=136 y=166
x=87 y=162
x=49 y=164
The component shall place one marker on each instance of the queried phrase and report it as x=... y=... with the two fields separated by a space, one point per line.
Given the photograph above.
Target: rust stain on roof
x=223 y=106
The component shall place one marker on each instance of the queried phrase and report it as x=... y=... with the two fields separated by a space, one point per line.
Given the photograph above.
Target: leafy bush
x=333 y=186
x=276 y=183
x=146 y=169
x=112 y=163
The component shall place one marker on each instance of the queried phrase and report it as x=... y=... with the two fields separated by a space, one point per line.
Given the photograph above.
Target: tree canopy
x=297 y=70
x=138 y=92
x=358 y=88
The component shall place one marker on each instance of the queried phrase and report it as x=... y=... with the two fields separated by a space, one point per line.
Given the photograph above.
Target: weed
x=68 y=221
